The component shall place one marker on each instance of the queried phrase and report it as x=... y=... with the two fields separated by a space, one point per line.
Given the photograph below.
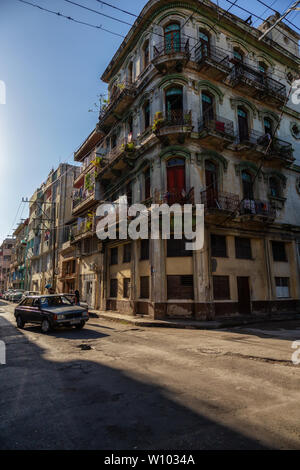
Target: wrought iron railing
x=218 y=125
x=272 y=145
x=214 y=53
x=80 y=195
x=219 y=200
x=257 y=208
x=176 y=117
x=242 y=71
x=172 y=47
x=121 y=90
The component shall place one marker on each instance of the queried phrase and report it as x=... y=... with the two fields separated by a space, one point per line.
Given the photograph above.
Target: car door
x=26 y=310
x=36 y=312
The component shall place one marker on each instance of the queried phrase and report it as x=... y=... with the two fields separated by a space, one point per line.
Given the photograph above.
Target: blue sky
x=51 y=68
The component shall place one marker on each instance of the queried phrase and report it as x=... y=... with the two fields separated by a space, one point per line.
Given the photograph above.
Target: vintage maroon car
x=50 y=311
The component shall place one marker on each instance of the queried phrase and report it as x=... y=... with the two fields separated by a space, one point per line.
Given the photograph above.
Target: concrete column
x=135 y=281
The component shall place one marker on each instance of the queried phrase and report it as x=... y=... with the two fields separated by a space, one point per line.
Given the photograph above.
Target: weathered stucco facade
x=199 y=111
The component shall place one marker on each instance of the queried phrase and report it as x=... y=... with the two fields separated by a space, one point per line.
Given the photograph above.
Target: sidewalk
x=145 y=321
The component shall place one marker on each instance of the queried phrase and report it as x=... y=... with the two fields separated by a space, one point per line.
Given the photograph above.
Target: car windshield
x=55 y=301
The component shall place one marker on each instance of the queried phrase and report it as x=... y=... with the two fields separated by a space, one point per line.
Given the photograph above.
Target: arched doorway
x=172 y=38
x=211 y=181
x=174 y=104
x=247 y=186
x=204 y=44
x=176 y=189
x=243 y=124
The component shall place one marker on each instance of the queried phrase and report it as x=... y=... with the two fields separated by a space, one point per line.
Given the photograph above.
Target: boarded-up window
x=127 y=253
x=144 y=249
x=114 y=288
x=126 y=287
x=221 y=287
x=176 y=248
x=114 y=255
x=278 y=249
x=144 y=287
x=180 y=287
x=243 y=248
x=282 y=287
x=218 y=246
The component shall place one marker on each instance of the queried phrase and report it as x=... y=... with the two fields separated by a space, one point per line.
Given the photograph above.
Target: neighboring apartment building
x=50 y=209
x=83 y=250
x=18 y=271
x=6 y=249
x=199 y=111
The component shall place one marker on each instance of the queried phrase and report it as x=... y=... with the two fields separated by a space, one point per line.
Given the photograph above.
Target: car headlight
x=61 y=317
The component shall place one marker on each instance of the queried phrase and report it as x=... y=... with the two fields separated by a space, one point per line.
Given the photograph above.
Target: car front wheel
x=45 y=326
x=20 y=323
x=80 y=325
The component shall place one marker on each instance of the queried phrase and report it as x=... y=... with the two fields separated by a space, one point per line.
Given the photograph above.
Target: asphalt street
x=114 y=386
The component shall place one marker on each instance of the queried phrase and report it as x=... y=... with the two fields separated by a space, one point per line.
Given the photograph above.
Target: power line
x=98 y=12
x=57 y=13
x=275 y=11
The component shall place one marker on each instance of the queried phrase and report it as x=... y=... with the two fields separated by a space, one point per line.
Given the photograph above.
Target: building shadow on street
x=83 y=404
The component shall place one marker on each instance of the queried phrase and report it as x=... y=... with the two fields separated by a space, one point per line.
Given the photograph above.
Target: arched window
x=238 y=54
x=146 y=54
x=247 y=185
x=274 y=185
x=147 y=179
x=262 y=67
x=130 y=72
x=204 y=44
x=174 y=104
x=172 y=38
x=243 y=124
x=211 y=181
x=175 y=179
x=146 y=112
x=268 y=126
x=207 y=101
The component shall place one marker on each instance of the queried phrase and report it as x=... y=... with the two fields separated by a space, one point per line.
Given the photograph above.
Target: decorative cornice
x=243 y=102
x=212 y=155
x=206 y=84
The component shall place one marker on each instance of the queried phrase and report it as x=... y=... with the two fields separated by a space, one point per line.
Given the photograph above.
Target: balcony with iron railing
x=255 y=143
x=256 y=210
x=168 y=54
x=256 y=84
x=219 y=202
x=216 y=131
x=212 y=61
x=82 y=199
x=177 y=121
x=84 y=227
x=120 y=98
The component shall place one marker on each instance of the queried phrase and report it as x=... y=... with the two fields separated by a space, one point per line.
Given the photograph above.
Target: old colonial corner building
x=199 y=111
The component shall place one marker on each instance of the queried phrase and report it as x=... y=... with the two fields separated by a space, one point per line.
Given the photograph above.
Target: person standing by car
x=77 y=297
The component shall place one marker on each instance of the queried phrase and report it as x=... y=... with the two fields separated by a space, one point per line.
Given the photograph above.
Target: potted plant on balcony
x=88 y=184
x=158 y=120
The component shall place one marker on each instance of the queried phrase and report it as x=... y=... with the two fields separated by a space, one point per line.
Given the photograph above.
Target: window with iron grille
x=180 y=287
x=114 y=288
x=126 y=287
x=176 y=248
x=127 y=253
x=218 y=246
x=221 y=287
x=144 y=249
x=144 y=287
x=114 y=255
x=243 y=248
x=282 y=287
x=279 y=253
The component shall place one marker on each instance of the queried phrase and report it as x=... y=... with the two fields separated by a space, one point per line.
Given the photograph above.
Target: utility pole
x=292 y=8
x=53 y=244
